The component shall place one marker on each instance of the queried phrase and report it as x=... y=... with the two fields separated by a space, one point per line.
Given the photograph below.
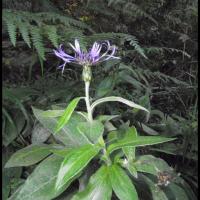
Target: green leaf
x=67 y=114
x=151 y=164
x=37 y=39
x=53 y=113
x=51 y=32
x=148 y=130
x=12 y=29
x=121 y=184
x=61 y=152
x=74 y=162
x=105 y=87
x=9 y=130
x=187 y=188
x=109 y=126
x=6 y=186
x=69 y=134
x=112 y=136
x=8 y=174
x=29 y=155
x=93 y=130
x=119 y=99
x=132 y=169
x=106 y=118
x=130 y=151
x=39 y=134
x=174 y=191
x=23 y=29
x=40 y=184
x=156 y=192
x=139 y=141
x=98 y=188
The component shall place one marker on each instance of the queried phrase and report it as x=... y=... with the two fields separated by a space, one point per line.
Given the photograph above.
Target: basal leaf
x=40 y=185
x=29 y=155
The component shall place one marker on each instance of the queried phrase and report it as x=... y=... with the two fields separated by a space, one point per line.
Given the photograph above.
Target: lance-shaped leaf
x=130 y=151
x=93 y=130
x=61 y=152
x=156 y=192
x=40 y=184
x=69 y=134
x=118 y=99
x=74 y=162
x=53 y=113
x=150 y=164
x=121 y=184
x=106 y=118
x=139 y=141
x=67 y=114
x=29 y=155
x=98 y=188
x=174 y=191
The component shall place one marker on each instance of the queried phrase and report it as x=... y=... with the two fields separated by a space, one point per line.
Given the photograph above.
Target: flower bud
x=87 y=73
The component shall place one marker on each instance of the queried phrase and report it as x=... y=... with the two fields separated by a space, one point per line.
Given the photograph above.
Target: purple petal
x=62 y=66
x=61 y=54
x=111 y=55
x=76 y=47
x=96 y=48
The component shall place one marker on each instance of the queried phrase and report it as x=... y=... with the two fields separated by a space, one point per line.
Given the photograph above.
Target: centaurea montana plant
x=81 y=139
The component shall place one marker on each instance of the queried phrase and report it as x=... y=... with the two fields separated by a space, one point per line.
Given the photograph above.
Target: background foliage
x=157 y=41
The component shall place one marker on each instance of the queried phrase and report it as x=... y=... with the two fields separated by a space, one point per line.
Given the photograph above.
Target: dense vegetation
x=157 y=44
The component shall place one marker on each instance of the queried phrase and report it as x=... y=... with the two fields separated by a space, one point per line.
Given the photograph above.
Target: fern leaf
x=52 y=35
x=23 y=29
x=12 y=29
x=37 y=41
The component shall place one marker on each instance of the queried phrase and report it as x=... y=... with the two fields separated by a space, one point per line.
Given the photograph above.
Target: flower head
x=92 y=57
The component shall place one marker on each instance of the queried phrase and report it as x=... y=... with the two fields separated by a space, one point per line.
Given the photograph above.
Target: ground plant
x=99 y=100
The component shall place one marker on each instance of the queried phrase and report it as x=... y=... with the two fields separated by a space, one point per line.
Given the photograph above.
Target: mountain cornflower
x=92 y=57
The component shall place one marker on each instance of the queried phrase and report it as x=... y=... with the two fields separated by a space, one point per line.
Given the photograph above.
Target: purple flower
x=89 y=58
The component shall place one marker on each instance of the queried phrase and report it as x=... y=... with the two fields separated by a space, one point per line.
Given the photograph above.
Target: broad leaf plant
x=82 y=140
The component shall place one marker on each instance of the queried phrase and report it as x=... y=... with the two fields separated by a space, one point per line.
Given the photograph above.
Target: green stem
x=87 y=100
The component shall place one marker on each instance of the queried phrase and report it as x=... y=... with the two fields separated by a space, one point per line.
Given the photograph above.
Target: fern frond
x=37 y=41
x=159 y=76
x=161 y=50
x=67 y=21
x=132 y=8
x=11 y=27
x=133 y=42
x=100 y=8
x=119 y=38
x=146 y=75
x=23 y=29
x=52 y=35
